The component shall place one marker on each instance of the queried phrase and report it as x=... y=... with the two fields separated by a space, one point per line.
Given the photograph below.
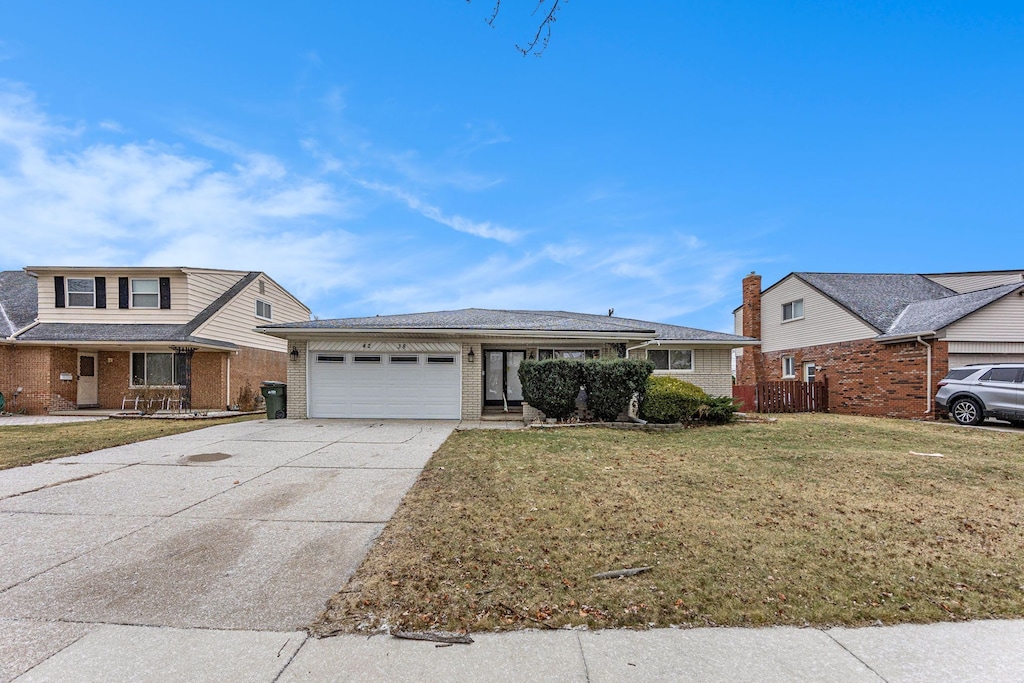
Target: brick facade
x=296 y=379
x=864 y=376
x=37 y=370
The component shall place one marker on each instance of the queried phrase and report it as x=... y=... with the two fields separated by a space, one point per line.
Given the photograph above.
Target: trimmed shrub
x=610 y=385
x=717 y=410
x=551 y=386
x=670 y=400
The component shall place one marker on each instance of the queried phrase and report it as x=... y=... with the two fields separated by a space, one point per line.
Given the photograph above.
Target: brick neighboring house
x=77 y=337
x=883 y=340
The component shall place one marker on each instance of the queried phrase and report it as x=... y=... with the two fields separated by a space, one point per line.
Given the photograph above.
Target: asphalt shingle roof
x=18 y=304
x=515 y=320
x=113 y=332
x=929 y=316
x=877 y=298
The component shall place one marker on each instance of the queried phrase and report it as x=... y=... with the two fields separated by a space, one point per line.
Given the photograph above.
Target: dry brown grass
x=26 y=444
x=816 y=519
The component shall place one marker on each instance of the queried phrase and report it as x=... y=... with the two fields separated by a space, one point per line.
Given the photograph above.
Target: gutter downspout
x=14 y=337
x=642 y=346
x=928 y=395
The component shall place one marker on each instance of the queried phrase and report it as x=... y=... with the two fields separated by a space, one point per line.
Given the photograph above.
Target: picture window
x=671 y=359
x=154 y=370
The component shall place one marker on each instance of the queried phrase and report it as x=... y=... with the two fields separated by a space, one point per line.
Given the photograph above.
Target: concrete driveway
x=244 y=528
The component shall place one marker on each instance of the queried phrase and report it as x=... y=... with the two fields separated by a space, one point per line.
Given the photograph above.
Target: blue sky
x=398 y=156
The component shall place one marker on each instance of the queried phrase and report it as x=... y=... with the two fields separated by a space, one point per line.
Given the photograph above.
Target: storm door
x=501 y=378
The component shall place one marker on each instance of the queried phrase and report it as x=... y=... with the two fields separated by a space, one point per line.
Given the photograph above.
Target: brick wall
x=113 y=371
x=37 y=370
x=296 y=379
x=209 y=380
x=5 y=370
x=472 y=382
x=865 y=377
x=251 y=366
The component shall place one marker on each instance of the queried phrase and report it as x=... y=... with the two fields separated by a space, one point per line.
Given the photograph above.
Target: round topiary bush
x=669 y=400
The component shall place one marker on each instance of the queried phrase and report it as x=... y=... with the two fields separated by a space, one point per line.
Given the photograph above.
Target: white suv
x=972 y=393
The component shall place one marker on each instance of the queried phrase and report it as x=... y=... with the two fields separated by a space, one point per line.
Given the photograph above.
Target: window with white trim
x=793 y=310
x=81 y=292
x=788 y=367
x=572 y=354
x=263 y=310
x=153 y=370
x=145 y=293
x=671 y=359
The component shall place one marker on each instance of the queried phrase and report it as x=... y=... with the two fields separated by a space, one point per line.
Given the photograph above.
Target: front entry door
x=88 y=387
x=501 y=378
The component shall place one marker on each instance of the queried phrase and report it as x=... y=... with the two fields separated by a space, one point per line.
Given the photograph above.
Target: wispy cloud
x=66 y=200
x=483 y=229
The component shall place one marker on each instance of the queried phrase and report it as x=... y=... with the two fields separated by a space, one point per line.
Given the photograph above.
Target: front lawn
x=815 y=519
x=26 y=444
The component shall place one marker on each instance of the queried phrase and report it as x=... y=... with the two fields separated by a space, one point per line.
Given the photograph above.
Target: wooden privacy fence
x=787 y=396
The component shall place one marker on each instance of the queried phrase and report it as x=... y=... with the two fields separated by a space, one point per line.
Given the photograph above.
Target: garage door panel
x=386 y=389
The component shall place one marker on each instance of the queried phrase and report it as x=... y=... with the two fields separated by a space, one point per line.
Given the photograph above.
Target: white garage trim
x=386 y=346
x=373 y=383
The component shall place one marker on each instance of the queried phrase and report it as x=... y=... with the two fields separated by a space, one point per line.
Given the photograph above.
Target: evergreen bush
x=670 y=400
x=611 y=384
x=551 y=386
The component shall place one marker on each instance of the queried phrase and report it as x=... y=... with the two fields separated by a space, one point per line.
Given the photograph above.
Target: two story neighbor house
x=75 y=337
x=883 y=340
x=459 y=364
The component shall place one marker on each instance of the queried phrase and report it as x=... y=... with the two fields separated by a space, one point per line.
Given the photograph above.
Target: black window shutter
x=58 y=291
x=101 y=292
x=165 y=292
x=122 y=292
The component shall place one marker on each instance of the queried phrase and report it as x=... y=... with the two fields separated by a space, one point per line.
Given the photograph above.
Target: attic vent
x=261 y=287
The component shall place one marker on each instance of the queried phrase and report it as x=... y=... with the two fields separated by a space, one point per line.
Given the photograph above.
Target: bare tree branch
x=543 y=34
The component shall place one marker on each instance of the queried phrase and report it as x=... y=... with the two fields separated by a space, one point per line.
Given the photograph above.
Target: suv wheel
x=966 y=411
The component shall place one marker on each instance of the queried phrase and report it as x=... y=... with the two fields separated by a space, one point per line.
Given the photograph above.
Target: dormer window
x=81 y=292
x=145 y=293
x=794 y=310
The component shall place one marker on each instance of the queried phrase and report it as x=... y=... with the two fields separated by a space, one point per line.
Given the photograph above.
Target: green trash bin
x=276 y=395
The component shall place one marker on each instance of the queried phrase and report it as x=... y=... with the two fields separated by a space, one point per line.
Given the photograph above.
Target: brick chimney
x=749 y=365
x=752 y=306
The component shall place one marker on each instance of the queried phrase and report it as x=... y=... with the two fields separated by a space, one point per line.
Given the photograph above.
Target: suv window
x=961 y=373
x=1001 y=375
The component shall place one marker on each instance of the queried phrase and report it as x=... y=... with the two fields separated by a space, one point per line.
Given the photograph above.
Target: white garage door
x=411 y=385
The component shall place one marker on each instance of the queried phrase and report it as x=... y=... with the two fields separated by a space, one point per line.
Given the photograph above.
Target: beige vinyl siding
x=824 y=321
x=178 y=313
x=712 y=367
x=205 y=286
x=972 y=282
x=236 y=322
x=1000 y=321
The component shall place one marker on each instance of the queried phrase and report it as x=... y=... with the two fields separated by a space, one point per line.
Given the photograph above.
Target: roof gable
x=931 y=316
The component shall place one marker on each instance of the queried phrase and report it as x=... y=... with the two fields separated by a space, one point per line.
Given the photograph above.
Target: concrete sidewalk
x=988 y=651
